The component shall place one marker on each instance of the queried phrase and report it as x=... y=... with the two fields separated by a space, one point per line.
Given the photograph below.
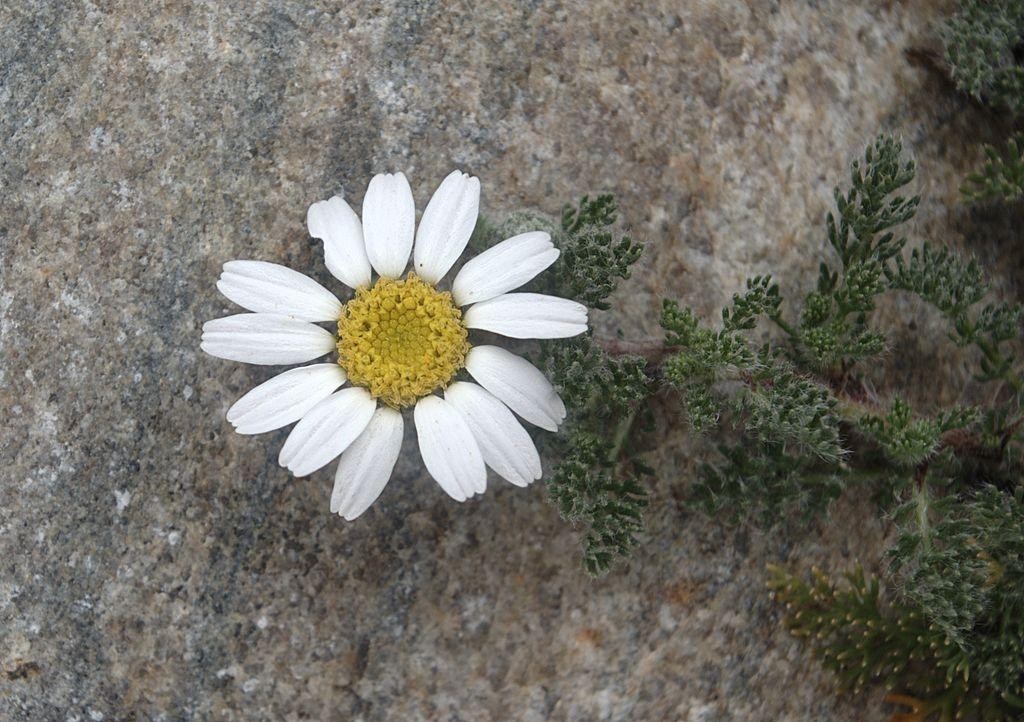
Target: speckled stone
x=155 y=565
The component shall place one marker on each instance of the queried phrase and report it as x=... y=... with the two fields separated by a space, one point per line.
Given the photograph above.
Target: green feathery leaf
x=593 y=259
x=833 y=331
x=1000 y=177
x=983 y=41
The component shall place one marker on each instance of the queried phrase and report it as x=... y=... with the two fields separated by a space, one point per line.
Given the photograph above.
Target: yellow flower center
x=401 y=340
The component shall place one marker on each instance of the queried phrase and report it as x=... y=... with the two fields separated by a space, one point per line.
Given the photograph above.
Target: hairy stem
x=785 y=326
x=921 y=513
x=621 y=434
x=652 y=349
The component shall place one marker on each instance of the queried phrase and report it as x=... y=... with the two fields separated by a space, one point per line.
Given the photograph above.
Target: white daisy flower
x=400 y=340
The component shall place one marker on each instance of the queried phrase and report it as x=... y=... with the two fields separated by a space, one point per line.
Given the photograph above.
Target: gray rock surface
x=155 y=565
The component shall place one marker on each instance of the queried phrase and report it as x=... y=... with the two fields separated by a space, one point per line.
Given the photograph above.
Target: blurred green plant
x=1001 y=177
x=865 y=641
x=984 y=41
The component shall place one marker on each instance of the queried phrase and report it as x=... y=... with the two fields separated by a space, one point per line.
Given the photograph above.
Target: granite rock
x=155 y=565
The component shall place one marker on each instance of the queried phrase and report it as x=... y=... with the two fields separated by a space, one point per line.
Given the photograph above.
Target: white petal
x=265 y=338
x=517 y=383
x=446 y=226
x=269 y=288
x=503 y=442
x=503 y=267
x=389 y=219
x=528 y=315
x=285 y=398
x=449 y=451
x=366 y=465
x=326 y=430
x=337 y=225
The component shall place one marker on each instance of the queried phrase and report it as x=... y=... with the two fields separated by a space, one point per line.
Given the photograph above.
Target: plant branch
x=621 y=434
x=998 y=361
x=785 y=326
x=652 y=349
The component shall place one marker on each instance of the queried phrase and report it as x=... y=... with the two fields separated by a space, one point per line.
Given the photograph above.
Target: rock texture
x=155 y=565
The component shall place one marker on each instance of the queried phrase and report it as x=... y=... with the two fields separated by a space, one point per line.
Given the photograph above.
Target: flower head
x=400 y=342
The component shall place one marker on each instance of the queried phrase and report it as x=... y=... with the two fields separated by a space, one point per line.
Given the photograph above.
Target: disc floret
x=401 y=340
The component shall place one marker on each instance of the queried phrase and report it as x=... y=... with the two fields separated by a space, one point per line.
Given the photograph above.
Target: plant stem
x=621 y=434
x=785 y=326
x=923 y=525
x=654 y=349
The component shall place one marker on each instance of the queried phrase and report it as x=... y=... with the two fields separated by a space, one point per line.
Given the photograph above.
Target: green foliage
x=587 y=488
x=863 y=641
x=870 y=207
x=780 y=406
x=792 y=454
x=908 y=442
x=596 y=482
x=764 y=483
x=593 y=260
x=955 y=286
x=942 y=576
x=718 y=372
x=592 y=484
x=950 y=283
x=966 y=573
x=952 y=638
x=833 y=332
x=589 y=378
x=849 y=631
x=787 y=418
x=596 y=479
x=983 y=49
x=703 y=357
x=999 y=178
x=998 y=519
x=761 y=298
x=798 y=427
x=485 y=234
